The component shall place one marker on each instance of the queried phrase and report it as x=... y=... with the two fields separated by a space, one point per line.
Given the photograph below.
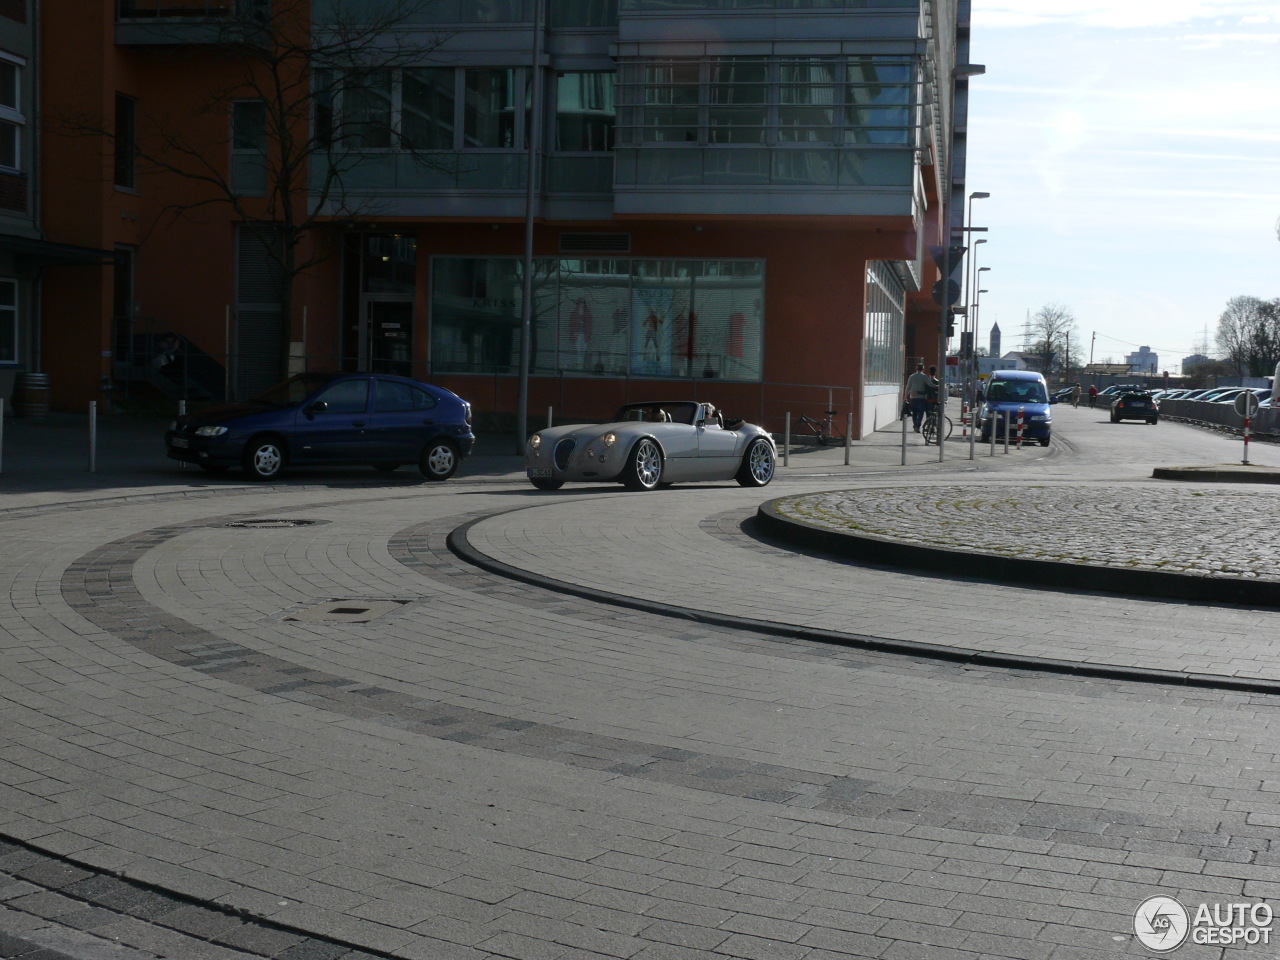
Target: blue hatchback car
x=1014 y=391
x=330 y=418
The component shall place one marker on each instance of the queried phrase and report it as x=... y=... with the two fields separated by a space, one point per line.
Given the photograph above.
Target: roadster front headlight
x=535 y=441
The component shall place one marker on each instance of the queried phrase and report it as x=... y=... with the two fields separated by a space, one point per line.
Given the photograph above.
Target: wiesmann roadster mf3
x=649 y=445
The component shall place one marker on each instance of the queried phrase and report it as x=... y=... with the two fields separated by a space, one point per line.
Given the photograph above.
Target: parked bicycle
x=929 y=428
x=823 y=431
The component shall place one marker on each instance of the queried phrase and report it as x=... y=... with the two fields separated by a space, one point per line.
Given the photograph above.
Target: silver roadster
x=648 y=445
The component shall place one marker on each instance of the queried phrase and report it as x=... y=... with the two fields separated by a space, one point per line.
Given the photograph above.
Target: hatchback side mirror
x=320 y=406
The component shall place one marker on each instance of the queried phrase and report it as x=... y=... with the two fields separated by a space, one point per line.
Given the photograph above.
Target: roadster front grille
x=564 y=450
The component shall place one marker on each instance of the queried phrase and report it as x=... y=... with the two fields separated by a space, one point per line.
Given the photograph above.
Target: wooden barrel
x=31 y=395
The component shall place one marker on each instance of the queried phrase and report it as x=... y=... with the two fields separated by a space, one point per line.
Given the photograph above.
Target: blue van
x=1015 y=390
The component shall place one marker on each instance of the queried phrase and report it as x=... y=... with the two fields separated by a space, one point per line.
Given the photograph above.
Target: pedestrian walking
x=1075 y=395
x=918 y=387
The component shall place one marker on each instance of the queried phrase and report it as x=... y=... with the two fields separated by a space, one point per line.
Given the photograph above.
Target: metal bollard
x=550 y=417
x=93 y=436
x=786 y=442
x=848 y=438
x=1006 y=431
x=1 y=434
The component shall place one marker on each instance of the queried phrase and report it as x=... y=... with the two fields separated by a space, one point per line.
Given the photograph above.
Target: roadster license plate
x=539 y=473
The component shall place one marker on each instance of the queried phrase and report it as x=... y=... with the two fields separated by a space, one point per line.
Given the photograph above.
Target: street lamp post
x=968 y=301
x=533 y=159
x=960 y=71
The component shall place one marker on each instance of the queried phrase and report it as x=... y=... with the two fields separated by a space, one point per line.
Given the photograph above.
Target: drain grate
x=270 y=523
x=347 y=611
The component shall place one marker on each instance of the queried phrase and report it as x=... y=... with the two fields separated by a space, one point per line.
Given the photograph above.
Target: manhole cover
x=264 y=523
x=347 y=611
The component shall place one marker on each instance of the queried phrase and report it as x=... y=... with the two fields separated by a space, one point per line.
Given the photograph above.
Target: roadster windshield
x=675 y=412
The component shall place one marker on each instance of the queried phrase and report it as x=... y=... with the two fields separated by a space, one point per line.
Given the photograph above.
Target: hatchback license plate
x=180 y=442
x=539 y=473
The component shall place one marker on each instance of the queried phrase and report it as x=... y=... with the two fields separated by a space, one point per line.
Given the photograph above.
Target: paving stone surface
x=196 y=762
x=1203 y=530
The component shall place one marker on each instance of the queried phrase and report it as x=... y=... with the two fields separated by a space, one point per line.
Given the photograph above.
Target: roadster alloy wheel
x=644 y=466
x=757 y=465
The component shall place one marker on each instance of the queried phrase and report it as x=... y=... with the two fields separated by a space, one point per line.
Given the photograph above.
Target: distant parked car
x=1133 y=405
x=330 y=418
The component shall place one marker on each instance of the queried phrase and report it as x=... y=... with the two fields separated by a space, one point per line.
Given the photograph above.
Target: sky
x=1132 y=152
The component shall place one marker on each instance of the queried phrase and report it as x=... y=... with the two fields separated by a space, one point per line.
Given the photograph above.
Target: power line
x=1128 y=343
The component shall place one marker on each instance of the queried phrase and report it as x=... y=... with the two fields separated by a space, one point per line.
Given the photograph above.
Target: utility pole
x=1092 y=340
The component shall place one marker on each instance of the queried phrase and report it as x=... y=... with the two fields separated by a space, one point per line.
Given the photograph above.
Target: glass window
x=426 y=108
x=567 y=14
x=125 y=141
x=324 y=108
x=10 y=145
x=349 y=396
x=807 y=101
x=8 y=321
x=739 y=111
x=396 y=397
x=366 y=109
x=660 y=318
x=671 y=101
x=882 y=343
x=249 y=125
x=12 y=120
x=585 y=112
x=249 y=148
x=389 y=264
x=878 y=98
x=9 y=92
x=490 y=108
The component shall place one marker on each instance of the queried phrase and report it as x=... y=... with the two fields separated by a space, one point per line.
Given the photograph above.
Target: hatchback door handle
x=358 y=423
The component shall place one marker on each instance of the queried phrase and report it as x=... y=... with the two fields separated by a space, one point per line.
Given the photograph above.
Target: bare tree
x=1052 y=332
x=284 y=66
x=1248 y=335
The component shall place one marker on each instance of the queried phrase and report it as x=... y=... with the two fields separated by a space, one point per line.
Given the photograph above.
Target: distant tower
x=994 y=349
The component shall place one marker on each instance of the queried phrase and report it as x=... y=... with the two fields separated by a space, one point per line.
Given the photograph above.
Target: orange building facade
x=733 y=205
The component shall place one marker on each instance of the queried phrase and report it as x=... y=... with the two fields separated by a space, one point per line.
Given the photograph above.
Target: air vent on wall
x=595 y=243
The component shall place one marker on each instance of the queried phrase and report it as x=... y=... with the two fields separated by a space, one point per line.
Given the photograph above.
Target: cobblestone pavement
x=1203 y=531
x=289 y=721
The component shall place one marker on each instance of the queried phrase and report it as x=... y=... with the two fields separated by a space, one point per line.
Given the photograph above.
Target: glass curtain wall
x=604 y=317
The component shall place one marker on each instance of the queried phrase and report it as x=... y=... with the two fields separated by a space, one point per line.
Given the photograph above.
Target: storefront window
x=883 y=358
x=602 y=317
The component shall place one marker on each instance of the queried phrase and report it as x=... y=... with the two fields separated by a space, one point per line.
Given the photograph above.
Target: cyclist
x=1093 y=395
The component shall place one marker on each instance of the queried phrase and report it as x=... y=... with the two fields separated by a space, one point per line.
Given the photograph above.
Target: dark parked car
x=1132 y=405
x=330 y=418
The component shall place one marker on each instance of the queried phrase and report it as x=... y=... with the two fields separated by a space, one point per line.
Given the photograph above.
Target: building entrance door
x=387 y=343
